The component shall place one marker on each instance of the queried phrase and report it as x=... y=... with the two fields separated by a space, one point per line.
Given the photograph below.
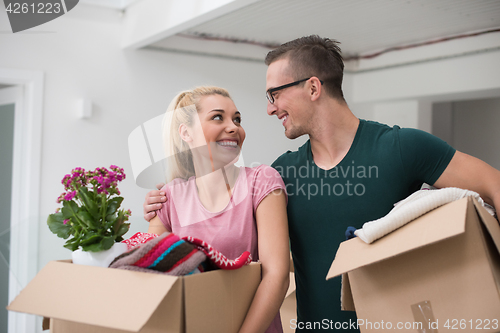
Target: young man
x=350 y=171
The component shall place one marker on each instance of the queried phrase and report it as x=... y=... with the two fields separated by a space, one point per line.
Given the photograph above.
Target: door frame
x=25 y=206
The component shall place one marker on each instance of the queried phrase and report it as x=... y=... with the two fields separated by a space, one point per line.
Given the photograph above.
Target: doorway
x=10 y=109
x=20 y=119
x=7 y=115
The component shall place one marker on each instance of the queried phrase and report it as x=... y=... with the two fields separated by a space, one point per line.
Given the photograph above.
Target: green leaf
x=119 y=221
x=73 y=243
x=91 y=238
x=88 y=202
x=88 y=219
x=105 y=244
x=123 y=229
x=113 y=205
x=71 y=247
x=108 y=228
x=96 y=247
x=108 y=242
x=57 y=226
x=77 y=229
x=110 y=221
x=69 y=209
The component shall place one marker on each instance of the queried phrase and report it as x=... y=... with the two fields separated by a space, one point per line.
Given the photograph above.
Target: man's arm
x=467 y=172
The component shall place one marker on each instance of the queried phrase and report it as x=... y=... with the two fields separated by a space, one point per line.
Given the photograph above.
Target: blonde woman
x=235 y=209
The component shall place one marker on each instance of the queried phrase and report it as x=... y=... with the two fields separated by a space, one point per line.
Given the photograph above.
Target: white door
x=26 y=93
x=8 y=98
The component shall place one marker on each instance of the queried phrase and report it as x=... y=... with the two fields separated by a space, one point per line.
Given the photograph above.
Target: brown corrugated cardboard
x=441 y=271
x=288 y=310
x=219 y=302
x=93 y=299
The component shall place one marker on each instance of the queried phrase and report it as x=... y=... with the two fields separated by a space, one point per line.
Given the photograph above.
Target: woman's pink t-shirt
x=231 y=231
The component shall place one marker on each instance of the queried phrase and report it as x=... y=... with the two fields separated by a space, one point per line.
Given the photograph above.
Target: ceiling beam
x=149 y=21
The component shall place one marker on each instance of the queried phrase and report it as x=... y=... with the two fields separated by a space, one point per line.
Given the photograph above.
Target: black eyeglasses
x=270 y=92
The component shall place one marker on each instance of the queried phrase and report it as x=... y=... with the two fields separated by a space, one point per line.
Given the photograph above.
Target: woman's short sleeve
x=164 y=212
x=266 y=179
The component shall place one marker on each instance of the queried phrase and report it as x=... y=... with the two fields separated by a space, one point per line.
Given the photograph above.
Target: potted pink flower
x=90 y=217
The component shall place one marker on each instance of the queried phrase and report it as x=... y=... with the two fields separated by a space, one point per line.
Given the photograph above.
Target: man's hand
x=153 y=202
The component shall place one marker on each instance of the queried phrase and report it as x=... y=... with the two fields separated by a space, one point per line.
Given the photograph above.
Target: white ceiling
x=115 y=4
x=362 y=26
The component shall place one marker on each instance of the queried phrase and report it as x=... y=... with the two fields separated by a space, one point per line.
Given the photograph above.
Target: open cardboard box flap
x=441 y=223
x=125 y=305
x=291 y=286
x=490 y=223
x=85 y=299
x=219 y=299
x=355 y=253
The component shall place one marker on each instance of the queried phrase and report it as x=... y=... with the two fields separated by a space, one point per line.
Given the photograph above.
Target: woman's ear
x=185 y=133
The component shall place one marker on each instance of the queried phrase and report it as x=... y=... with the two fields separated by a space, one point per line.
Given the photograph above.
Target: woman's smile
x=228 y=143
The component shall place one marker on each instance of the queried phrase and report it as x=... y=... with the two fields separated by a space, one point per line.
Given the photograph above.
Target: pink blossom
x=69 y=196
x=65 y=179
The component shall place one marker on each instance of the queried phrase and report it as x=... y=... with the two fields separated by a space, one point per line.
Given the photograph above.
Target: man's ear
x=315 y=88
x=185 y=133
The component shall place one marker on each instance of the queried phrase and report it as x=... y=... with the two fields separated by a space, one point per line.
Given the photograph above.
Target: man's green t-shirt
x=383 y=166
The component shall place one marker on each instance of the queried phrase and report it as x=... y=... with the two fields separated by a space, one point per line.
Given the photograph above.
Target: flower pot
x=101 y=259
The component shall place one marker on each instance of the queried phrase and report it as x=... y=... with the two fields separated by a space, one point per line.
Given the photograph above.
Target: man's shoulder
x=285 y=158
x=259 y=171
x=384 y=133
x=374 y=126
x=375 y=134
x=292 y=157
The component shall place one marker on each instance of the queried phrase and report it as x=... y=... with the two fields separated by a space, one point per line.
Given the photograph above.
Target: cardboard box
x=288 y=310
x=93 y=299
x=440 y=272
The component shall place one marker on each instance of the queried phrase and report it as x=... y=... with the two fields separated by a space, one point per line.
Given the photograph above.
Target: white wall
x=475 y=129
x=434 y=80
x=81 y=58
x=411 y=80
x=442 y=121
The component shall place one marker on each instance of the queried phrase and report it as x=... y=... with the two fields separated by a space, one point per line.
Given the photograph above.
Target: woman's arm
x=156 y=226
x=274 y=255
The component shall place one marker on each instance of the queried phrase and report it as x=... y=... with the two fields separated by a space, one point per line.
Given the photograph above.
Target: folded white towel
x=412 y=207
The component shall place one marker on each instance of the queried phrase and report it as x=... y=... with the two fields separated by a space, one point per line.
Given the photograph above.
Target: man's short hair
x=313 y=56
